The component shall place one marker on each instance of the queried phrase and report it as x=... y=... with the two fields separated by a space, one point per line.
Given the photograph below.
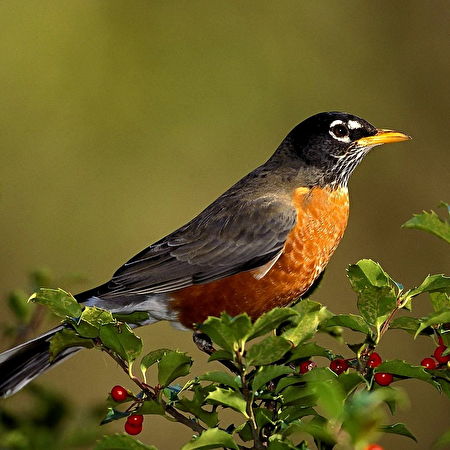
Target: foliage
x=275 y=406
x=45 y=419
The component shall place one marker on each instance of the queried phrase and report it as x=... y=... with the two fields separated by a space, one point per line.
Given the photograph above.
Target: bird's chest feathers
x=321 y=221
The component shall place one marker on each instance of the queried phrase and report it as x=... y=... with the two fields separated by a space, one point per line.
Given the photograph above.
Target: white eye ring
x=333 y=124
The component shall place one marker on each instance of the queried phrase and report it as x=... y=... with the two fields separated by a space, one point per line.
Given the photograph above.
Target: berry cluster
x=439 y=358
x=133 y=425
x=340 y=365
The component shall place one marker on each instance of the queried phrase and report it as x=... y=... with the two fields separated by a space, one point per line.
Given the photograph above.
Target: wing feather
x=228 y=237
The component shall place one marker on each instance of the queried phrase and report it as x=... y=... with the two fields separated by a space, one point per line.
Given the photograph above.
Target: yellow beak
x=382 y=137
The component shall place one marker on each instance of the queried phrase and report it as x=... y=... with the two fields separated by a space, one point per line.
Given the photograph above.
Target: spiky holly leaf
x=119 y=338
x=430 y=222
x=172 y=365
x=60 y=302
x=377 y=292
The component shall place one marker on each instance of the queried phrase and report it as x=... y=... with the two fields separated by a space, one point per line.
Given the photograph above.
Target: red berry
x=438 y=354
x=440 y=340
x=428 y=363
x=374 y=360
x=132 y=429
x=307 y=366
x=135 y=419
x=338 y=366
x=374 y=447
x=384 y=379
x=119 y=393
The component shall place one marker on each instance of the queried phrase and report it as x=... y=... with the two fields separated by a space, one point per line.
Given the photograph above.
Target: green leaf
x=262 y=418
x=270 y=349
x=268 y=373
x=351 y=321
x=113 y=414
x=319 y=374
x=219 y=330
x=67 y=339
x=173 y=365
x=398 y=428
x=90 y=321
x=439 y=300
x=329 y=394
x=96 y=316
x=222 y=378
x=151 y=406
x=228 y=398
x=221 y=355
x=306 y=306
x=350 y=380
x=403 y=369
x=316 y=430
x=135 y=317
x=271 y=320
x=305 y=327
x=308 y=350
x=121 y=442
x=241 y=326
x=430 y=222
x=377 y=296
x=59 y=302
x=290 y=413
x=85 y=329
x=298 y=395
x=121 y=340
x=432 y=283
x=435 y=318
x=151 y=358
x=194 y=406
x=409 y=324
x=276 y=444
x=212 y=438
x=288 y=381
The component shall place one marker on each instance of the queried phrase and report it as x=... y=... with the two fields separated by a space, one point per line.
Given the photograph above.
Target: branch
x=192 y=424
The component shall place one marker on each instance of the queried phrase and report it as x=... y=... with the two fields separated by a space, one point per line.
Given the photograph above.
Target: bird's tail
x=21 y=364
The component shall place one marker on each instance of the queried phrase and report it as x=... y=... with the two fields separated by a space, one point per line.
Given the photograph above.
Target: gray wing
x=228 y=237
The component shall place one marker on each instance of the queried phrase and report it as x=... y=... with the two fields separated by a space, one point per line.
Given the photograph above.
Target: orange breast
x=321 y=220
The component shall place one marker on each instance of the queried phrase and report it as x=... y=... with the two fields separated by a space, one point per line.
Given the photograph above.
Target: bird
x=258 y=246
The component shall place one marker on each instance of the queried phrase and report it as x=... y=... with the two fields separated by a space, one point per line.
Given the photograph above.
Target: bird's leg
x=204 y=344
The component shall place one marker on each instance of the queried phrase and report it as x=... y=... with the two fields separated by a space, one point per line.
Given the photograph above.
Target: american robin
x=259 y=245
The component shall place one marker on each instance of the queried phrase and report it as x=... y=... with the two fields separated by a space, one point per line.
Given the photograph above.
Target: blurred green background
x=120 y=120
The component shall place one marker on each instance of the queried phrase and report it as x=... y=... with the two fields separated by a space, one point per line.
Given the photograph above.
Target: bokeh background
x=120 y=120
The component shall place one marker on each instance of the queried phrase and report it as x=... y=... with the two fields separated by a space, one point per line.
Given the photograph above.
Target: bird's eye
x=340 y=130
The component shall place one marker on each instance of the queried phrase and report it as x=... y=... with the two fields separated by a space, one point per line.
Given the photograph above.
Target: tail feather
x=21 y=364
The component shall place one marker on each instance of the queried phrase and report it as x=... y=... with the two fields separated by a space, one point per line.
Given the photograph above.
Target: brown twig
x=388 y=321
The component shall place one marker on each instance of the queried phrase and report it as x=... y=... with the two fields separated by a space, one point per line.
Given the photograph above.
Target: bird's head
x=332 y=144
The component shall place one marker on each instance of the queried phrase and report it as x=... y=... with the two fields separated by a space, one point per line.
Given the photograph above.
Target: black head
x=333 y=143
